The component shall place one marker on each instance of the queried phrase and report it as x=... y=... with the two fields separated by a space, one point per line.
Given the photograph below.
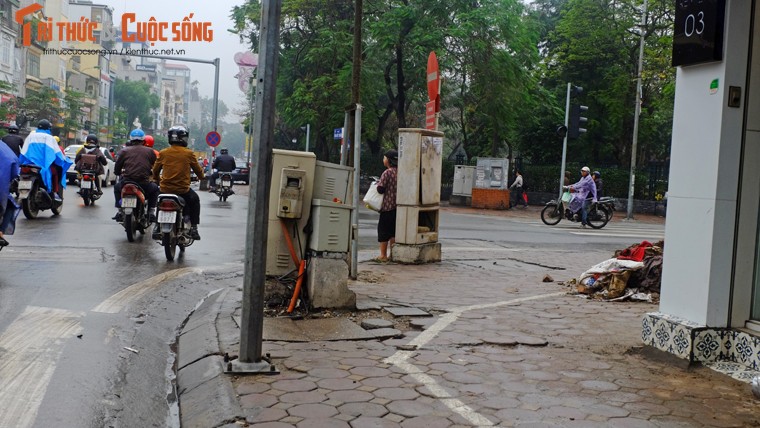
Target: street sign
x=213 y=139
x=145 y=67
x=430 y=115
x=338 y=134
x=433 y=80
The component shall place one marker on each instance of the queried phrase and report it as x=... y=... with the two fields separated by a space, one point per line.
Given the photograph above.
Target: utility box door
x=419 y=167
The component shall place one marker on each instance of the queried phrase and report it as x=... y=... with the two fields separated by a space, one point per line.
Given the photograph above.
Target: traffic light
x=574 y=129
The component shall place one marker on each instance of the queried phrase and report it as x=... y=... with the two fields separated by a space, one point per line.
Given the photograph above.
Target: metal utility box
x=416 y=225
x=464 y=179
x=492 y=173
x=332 y=181
x=419 y=167
x=279 y=261
x=291 y=193
x=331 y=224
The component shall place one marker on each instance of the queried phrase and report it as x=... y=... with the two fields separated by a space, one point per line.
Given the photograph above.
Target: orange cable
x=297 y=290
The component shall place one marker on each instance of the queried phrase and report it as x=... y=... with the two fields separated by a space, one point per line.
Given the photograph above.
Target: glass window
x=33 y=65
x=5 y=50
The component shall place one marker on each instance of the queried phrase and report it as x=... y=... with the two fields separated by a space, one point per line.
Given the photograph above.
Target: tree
x=38 y=104
x=136 y=99
x=72 y=120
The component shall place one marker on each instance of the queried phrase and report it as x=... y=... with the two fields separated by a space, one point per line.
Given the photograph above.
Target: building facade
x=710 y=303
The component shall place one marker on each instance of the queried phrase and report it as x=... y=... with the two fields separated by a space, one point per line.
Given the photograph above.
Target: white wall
x=704 y=176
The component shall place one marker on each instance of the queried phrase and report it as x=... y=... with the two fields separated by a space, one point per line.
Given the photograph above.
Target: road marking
x=125 y=297
x=29 y=351
x=399 y=359
x=621 y=235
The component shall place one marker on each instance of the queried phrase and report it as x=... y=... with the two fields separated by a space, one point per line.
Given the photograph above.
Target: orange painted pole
x=297 y=290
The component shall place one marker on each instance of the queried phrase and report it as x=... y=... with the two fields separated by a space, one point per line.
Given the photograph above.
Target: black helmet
x=597 y=173
x=12 y=129
x=178 y=135
x=44 y=124
x=224 y=151
x=91 y=139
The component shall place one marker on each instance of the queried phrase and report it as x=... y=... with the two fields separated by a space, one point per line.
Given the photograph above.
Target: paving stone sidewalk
x=502 y=348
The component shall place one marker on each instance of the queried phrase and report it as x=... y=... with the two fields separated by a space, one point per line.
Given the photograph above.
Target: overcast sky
x=224 y=46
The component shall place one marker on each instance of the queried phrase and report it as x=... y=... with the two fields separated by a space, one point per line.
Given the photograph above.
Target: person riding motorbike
x=581 y=191
x=82 y=163
x=599 y=184
x=41 y=149
x=13 y=140
x=135 y=163
x=172 y=172
x=223 y=163
x=149 y=141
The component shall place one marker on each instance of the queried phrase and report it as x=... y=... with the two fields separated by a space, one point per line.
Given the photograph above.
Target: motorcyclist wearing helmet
x=135 y=164
x=41 y=149
x=172 y=172
x=599 y=183
x=149 y=143
x=90 y=158
x=223 y=163
x=13 y=140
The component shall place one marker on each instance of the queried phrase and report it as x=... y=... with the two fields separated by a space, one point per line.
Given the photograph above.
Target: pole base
x=260 y=367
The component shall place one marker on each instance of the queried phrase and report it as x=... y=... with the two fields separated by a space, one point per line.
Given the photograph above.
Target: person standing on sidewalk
x=518 y=186
x=386 y=226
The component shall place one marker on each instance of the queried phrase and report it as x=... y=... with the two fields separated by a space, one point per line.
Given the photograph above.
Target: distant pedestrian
x=518 y=186
x=386 y=226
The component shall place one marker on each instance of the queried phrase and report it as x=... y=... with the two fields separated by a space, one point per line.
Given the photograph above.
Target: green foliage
x=505 y=65
x=135 y=98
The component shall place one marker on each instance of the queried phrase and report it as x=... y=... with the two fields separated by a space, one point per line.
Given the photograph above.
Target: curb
x=205 y=393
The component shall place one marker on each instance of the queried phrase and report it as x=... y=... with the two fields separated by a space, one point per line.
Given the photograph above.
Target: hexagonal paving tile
x=313 y=411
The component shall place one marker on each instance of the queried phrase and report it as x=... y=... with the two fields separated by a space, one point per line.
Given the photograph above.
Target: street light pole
x=632 y=179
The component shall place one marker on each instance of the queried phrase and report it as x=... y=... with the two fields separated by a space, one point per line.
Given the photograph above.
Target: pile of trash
x=634 y=273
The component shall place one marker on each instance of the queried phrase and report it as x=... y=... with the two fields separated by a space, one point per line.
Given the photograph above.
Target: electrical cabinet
x=492 y=173
x=464 y=178
x=416 y=225
x=331 y=226
x=419 y=167
x=296 y=168
x=332 y=181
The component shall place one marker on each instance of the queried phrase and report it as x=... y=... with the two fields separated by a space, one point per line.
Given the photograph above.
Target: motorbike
x=134 y=210
x=88 y=188
x=34 y=195
x=173 y=225
x=224 y=189
x=599 y=213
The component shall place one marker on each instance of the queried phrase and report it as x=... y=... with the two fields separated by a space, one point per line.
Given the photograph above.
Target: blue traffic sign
x=338 y=134
x=213 y=139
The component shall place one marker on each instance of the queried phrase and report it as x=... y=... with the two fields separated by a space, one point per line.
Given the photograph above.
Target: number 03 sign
x=698 y=32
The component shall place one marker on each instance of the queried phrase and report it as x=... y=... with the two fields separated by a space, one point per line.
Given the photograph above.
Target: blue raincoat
x=582 y=189
x=9 y=169
x=41 y=149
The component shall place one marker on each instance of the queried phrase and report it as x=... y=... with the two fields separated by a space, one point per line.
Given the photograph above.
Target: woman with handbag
x=386 y=226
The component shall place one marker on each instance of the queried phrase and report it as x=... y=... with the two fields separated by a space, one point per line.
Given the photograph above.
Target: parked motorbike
x=134 y=210
x=88 y=187
x=599 y=213
x=224 y=188
x=173 y=225
x=34 y=195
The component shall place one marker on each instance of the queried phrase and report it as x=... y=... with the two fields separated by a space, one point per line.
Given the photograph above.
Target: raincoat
x=582 y=189
x=41 y=149
x=9 y=169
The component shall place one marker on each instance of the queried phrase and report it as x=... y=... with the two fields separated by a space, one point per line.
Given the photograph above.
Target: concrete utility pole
x=632 y=179
x=252 y=317
x=564 y=141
